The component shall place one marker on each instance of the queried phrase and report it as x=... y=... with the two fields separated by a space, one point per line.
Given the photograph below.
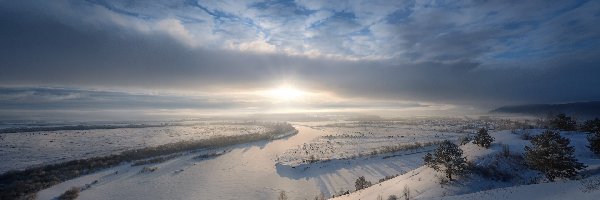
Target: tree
x=552 y=155
x=448 y=158
x=591 y=126
x=483 y=138
x=594 y=140
x=562 y=122
x=362 y=183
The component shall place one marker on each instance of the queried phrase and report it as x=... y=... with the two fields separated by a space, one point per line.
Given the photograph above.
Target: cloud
x=465 y=53
x=411 y=31
x=259 y=46
x=174 y=28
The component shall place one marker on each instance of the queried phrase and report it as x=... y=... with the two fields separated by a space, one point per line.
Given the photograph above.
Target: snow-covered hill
x=497 y=175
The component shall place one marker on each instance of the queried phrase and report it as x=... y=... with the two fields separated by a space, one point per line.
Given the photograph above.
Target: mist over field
x=299 y=99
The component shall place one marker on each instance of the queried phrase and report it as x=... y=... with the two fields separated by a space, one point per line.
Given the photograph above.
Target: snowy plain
x=29 y=149
x=344 y=151
x=246 y=171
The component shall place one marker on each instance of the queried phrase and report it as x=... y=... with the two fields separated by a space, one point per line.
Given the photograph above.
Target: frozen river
x=248 y=171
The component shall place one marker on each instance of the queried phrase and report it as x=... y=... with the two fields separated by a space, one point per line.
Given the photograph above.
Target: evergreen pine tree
x=361 y=183
x=594 y=140
x=552 y=155
x=591 y=126
x=483 y=138
x=562 y=122
x=448 y=158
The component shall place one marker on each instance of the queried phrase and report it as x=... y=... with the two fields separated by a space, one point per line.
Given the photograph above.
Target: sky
x=119 y=58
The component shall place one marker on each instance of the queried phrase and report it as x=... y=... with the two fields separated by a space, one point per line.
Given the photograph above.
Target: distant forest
x=580 y=110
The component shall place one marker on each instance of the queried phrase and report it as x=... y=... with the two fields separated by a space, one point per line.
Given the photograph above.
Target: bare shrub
x=387 y=178
x=492 y=172
x=32 y=196
x=282 y=196
x=405 y=147
x=505 y=150
x=70 y=194
x=148 y=169
x=443 y=180
x=406 y=192
x=526 y=135
x=321 y=196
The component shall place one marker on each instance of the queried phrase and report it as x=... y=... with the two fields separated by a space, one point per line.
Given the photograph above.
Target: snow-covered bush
x=552 y=155
x=361 y=183
x=392 y=197
x=387 y=178
x=563 y=122
x=483 y=138
x=448 y=158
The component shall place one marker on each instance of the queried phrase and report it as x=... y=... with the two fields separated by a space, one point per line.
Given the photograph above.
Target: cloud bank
x=480 y=53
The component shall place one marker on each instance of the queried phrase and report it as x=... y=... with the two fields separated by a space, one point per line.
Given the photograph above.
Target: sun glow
x=286 y=93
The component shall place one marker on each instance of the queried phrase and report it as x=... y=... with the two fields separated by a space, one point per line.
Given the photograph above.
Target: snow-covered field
x=247 y=171
x=325 y=158
x=350 y=139
x=37 y=148
x=357 y=141
x=519 y=183
x=256 y=170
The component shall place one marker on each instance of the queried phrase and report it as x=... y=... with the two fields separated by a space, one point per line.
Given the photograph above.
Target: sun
x=286 y=93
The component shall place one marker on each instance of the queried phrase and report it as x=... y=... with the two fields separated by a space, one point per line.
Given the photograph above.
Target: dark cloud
x=77 y=99
x=443 y=58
